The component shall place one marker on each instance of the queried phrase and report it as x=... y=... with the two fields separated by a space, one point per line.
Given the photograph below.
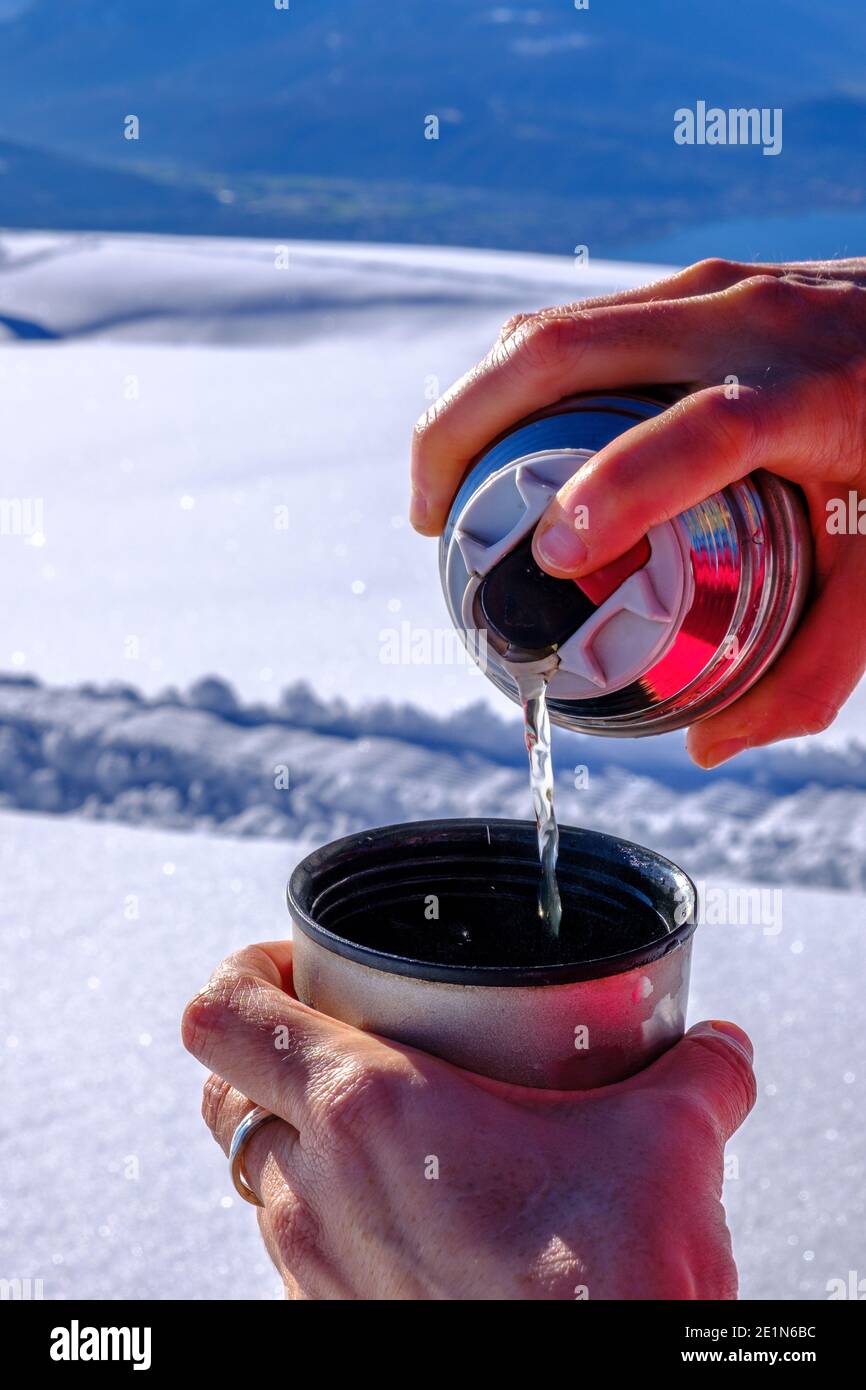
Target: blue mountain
x=555 y=123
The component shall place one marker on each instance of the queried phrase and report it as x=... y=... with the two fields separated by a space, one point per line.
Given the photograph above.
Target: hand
x=610 y=1194
x=793 y=339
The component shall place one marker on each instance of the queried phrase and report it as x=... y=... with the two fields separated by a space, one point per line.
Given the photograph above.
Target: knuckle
x=547 y=344
x=195 y=1027
x=512 y=324
x=297 y=1231
x=768 y=294
x=712 y=414
x=713 y=271
x=232 y=993
x=729 y=425
x=361 y=1100
x=211 y=1012
x=215 y=1097
x=741 y=1086
x=766 y=285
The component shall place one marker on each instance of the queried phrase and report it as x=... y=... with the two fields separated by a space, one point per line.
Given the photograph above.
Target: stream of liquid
x=536 y=724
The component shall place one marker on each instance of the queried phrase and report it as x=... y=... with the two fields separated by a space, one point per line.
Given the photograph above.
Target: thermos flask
x=681 y=626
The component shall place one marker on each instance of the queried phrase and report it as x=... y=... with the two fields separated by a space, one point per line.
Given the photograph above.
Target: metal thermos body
x=716 y=596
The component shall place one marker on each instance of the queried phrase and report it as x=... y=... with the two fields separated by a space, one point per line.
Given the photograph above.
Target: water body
x=805 y=236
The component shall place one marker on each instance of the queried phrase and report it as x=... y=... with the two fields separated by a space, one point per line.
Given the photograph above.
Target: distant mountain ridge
x=555 y=124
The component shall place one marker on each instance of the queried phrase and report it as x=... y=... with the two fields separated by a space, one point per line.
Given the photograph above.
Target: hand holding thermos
x=772 y=360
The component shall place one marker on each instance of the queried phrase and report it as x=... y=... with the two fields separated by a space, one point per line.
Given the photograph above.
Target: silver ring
x=245 y=1130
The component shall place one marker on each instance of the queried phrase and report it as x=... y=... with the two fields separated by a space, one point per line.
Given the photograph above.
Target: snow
x=218 y=449
x=221 y=450
x=311 y=770
x=114 y=1189
x=112 y=1186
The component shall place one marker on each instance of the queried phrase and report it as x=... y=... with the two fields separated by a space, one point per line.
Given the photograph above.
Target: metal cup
x=497 y=997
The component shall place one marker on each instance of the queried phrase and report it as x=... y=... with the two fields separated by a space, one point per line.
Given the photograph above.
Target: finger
x=658 y=469
x=704 y=277
x=223 y=1107
x=711 y=1065
x=271 y=1231
x=293 y=1236
x=810 y=681
x=285 y=1056
x=271 y=960
x=268 y=1154
x=546 y=360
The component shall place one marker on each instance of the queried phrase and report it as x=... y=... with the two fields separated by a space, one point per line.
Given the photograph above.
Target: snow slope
x=217 y=447
x=112 y=1187
x=218 y=432
x=220 y=446
x=309 y=770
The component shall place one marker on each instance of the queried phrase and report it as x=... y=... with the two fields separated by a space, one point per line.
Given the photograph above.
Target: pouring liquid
x=532 y=689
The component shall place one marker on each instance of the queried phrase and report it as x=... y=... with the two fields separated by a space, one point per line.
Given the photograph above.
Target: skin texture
x=794 y=338
x=539 y=1194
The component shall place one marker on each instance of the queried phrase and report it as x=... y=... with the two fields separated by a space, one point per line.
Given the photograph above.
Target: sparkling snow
x=216 y=448
x=112 y=1187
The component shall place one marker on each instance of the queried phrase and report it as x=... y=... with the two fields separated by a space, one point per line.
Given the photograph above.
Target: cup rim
x=300 y=889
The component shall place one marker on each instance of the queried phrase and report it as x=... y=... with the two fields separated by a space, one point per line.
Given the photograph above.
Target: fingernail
x=560 y=547
x=736 y=1035
x=720 y=752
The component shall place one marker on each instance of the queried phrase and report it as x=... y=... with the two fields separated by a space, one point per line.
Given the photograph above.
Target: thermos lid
x=534 y=620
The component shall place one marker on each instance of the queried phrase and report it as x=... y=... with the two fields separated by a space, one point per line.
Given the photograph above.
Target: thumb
x=711 y=1065
x=649 y=474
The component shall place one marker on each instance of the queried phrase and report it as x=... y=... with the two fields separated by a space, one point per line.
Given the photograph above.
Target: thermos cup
x=679 y=628
x=428 y=934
